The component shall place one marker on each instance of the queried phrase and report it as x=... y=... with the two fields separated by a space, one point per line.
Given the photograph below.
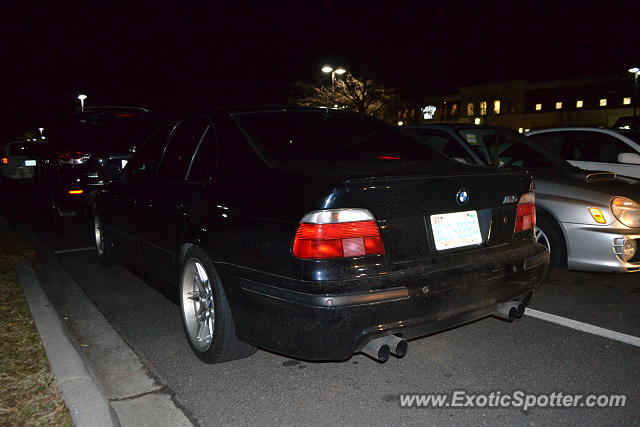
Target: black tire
x=547 y=234
x=104 y=251
x=223 y=345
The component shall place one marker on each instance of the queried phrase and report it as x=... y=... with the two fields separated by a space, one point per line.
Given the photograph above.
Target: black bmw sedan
x=318 y=234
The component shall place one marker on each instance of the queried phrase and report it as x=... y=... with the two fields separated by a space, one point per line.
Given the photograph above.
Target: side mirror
x=632 y=158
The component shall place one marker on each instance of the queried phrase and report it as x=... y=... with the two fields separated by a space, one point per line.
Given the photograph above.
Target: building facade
x=524 y=105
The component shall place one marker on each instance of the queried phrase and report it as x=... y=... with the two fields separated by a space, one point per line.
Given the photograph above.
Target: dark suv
x=85 y=146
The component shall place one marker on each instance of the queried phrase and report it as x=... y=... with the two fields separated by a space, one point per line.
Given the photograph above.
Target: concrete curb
x=82 y=395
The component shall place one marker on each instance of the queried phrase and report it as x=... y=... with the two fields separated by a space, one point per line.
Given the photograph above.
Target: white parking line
x=584 y=327
x=65 y=251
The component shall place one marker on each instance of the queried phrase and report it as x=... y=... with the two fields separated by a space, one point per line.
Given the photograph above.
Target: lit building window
x=470 y=109
x=483 y=108
x=626 y=101
x=579 y=103
x=538 y=107
x=558 y=105
x=496 y=106
x=603 y=102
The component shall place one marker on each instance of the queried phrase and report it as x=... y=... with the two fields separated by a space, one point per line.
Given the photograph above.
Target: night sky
x=171 y=57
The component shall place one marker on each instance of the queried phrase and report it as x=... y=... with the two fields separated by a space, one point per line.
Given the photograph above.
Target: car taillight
x=526 y=213
x=337 y=233
x=5 y=161
x=73 y=157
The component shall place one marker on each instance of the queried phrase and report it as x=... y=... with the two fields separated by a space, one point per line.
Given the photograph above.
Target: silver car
x=590 y=221
x=610 y=150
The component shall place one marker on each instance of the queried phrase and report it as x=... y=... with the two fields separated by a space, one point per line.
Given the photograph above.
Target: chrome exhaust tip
x=510 y=310
x=380 y=348
x=377 y=350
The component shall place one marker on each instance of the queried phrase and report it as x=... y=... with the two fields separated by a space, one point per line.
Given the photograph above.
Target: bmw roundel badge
x=462 y=196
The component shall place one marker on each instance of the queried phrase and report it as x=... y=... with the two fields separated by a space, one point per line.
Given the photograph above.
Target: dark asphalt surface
x=489 y=355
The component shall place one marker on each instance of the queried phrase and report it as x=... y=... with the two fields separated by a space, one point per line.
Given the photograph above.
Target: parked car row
x=319 y=233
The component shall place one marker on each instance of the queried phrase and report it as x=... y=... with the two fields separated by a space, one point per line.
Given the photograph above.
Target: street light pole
x=329 y=69
x=635 y=71
x=82 y=97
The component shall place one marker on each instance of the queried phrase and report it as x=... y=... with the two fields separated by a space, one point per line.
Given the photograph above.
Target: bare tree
x=348 y=91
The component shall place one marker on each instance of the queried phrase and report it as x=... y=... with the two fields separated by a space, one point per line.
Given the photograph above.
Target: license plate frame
x=455 y=230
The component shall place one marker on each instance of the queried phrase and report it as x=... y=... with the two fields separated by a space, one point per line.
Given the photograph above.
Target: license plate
x=454 y=230
x=29 y=162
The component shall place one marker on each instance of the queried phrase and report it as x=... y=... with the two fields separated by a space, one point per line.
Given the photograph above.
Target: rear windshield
x=22 y=149
x=110 y=129
x=506 y=148
x=295 y=137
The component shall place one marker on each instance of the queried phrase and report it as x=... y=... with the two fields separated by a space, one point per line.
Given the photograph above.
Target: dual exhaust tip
x=380 y=348
x=510 y=310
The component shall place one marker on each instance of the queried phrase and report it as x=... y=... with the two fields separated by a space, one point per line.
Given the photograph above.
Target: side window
x=555 y=142
x=144 y=163
x=597 y=147
x=443 y=143
x=179 y=153
x=205 y=158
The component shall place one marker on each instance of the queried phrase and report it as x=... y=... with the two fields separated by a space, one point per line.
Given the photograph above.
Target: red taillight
x=337 y=239
x=5 y=161
x=76 y=191
x=526 y=213
x=387 y=158
x=73 y=155
x=125 y=115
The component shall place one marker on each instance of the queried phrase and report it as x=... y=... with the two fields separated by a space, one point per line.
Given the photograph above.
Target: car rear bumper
x=410 y=303
x=23 y=173
x=69 y=200
x=593 y=248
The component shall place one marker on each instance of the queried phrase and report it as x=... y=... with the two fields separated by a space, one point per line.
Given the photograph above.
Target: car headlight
x=626 y=210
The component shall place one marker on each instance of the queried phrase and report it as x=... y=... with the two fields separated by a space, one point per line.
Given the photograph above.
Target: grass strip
x=29 y=395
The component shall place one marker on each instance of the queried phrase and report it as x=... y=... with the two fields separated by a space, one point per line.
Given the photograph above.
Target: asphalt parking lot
x=491 y=355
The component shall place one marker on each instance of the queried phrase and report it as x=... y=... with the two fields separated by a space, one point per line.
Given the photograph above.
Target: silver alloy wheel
x=97 y=229
x=197 y=304
x=542 y=238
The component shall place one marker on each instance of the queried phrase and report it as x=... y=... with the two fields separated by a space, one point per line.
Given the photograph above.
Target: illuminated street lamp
x=330 y=69
x=82 y=97
x=635 y=71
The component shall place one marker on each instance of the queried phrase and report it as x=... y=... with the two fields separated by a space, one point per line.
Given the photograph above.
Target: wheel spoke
x=203 y=331
x=198 y=282
x=194 y=296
